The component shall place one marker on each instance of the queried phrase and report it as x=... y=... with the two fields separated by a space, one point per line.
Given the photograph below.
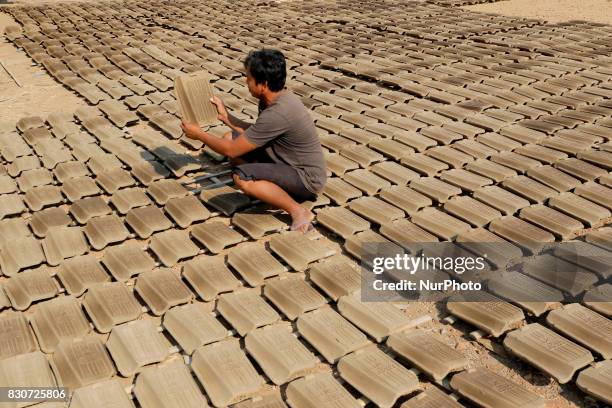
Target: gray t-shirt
x=289 y=136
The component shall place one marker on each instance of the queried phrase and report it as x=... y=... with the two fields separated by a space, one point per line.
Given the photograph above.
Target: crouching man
x=278 y=159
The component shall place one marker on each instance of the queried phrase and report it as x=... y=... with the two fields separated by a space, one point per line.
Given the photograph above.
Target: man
x=278 y=159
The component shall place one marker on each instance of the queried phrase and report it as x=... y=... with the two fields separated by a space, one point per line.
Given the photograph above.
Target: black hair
x=267 y=66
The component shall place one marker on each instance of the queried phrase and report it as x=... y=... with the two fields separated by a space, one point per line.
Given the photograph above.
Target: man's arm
x=226 y=146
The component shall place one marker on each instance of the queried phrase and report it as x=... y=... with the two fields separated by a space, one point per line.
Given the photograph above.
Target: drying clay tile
x=320 y=390
x=109 y=392
x=33 y=178
x=453 y=157
x=80 y=187
x=78 y=274
x=554 y=178
x=473 y=148
x=597 y=193
x=26 y=371
x=541 y=153
x=498 y=142
x=117 y=113
x=62 y=243
x=186 y=210
x=113 y=180
x=254 y=263
x=163 y=190
x=149 y=171
x=101 y=163
x=257 y=224
x=168 y=385
x=11 y=204
x=293 y=296
x=562 y=274
x=126 y=199
x=490 y=169
x=394 y=172
x=209 y=276
x=126 y=260
x=331 y=334
x=337 y=277
x=169 y=124
x=441 y=134
x=102 y=231
x=375 y=210
x=36 y=135
x=427 y=353
x=378 y=319
x=299 y=251
x=500 y=199
x=596 y=379
x=80 y=362
x=529 y=188
x=471 y=210
x=432 y=397
x=554 y=221
x=19 y=254
x=30 y=286
x=12 y=229
x=577 y=322
x=87 y=208
x=580 y=169
x=225 y=372
x=366 y=181
x=515 y=161
x=465 y=179
x=215 y=235
x=391 y=148
x=406 y=234
x=362 y=241
x=339 y=165
x=487 y=312
x=415 y=140
x=340 y=191
x=246 y=310
x=161 y=289
x=42 y=222
x=225 y=199
x=16 y=336
x=83 y=151
x=18 y=166
x=424 y=164
x=435 y=188
x=110 y=304
x=439 y=223
x=377 y=376
x=342 y=221
x=135 y=344
x=279 y=353
x=58 y=319
x=147 y=220
x=491 y=390
x=193 y=326
x=30 y=122
x=548 y=351
x=522 y=134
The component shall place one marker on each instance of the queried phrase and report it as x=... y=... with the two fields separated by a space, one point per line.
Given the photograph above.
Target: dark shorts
x=261 y=167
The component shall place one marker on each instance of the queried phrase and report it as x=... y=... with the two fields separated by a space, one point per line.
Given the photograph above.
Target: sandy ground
x=553 y=11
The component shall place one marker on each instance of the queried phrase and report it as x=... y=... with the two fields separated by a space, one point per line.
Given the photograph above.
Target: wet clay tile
x=339 y=191
x=33 y=178
x=319 y=390
x=215 y=235
x=15 y=168
x=225 y=372
x=435 y=188
x=246 y=310
x=163 y=190
x=80 y=362
x=464 y=179
x=377 y=376
x=362 y=155
x=193 y=326
x=110 y=304
x=424 y=164
x=439 y=223
x=491 y=170
x=113 y=180
x=405 y=198
x=427 y=353
x=577 y=322
x=293 y=296
x=474 y=148
x=79 y=187
x=342 y=221
x=172 y=246
x=491 y=390
x=126 y=260
x=126 y=199
x=186 y=210
x=554 y=178
x=596 y=380
x=168 y=385
x=225 y=199
x=366 y=181
x=254 y=263
x=101 y=163
x=540 y=153
x=523 y=134
x=209 y=276
x=415 y=140
x=44 y=221
x=580 y=169
x=441 y=134
x=147 y=220
x=375 y=210
x=548 y=351
x=597 y=193
x=339 y=165
x=487 y=312
x=330 y=334
x=78 y=274
x=515 y=161
x=102 y=231
x=149 y=171
x=394 y=172
x=109 y=392
x=86 y=208
x=30 y=122
x=500 y=199
x=471 y=210
x=391 y=148
x=11 y=204
x=135 y=344
x=29 y=286
x=63 y=243
x=19 y=254
x=498 y=142
x=432 y=397
x=58 y=319
x=378 y=319
x=336 y=277
x=522 y=233
x=257 y=224
x=406 y=234
x=557 y=272
x=161 y=289
x=16 y=336
x=554 y=221
x=279 y=353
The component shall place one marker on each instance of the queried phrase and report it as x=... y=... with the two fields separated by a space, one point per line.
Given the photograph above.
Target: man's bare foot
x=301 y=220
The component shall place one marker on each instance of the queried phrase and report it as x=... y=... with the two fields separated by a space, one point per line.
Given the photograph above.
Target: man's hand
x=191 y=130
x=223 y=116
